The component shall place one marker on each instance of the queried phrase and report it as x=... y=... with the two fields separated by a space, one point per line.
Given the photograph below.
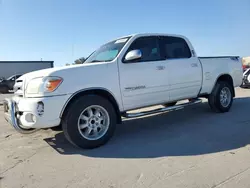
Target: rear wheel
x=221 y=98
x=90 y=122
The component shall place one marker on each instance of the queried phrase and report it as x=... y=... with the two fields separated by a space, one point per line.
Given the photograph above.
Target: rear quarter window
x=175 y=48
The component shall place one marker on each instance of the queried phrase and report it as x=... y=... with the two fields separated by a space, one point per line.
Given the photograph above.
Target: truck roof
x=151 y=34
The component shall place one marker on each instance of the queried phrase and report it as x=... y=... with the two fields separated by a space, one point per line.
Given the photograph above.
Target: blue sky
x=63 y=30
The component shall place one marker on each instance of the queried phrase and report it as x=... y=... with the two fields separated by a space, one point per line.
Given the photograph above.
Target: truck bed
x=213 y=67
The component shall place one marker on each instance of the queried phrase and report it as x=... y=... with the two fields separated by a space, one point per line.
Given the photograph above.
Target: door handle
x=160 y=67
x=194 y=65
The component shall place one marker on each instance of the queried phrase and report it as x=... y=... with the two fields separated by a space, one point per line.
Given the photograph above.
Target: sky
x=64 y=30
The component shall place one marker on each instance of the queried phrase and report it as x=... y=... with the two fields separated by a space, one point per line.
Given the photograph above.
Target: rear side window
x=175 y=48
x=149 y=47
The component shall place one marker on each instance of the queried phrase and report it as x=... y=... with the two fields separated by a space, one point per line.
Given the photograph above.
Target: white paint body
x=179 y=79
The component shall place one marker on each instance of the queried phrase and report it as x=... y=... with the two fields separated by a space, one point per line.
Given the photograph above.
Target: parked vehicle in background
x=7 y=84
x=128 y=73
x=246 y=79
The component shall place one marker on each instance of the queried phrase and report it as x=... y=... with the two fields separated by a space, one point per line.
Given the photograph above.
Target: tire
x=4 y=90
x=170 y=104
x=214 y=99
x=81 y=107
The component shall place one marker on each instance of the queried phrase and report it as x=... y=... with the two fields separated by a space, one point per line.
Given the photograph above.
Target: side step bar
x=164 y=109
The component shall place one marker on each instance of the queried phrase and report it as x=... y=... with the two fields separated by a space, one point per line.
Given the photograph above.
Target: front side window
x=107 y=52
x=175 y=48
x=149 y=48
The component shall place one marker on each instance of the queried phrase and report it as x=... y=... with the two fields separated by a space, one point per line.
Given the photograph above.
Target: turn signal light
x=52 y=83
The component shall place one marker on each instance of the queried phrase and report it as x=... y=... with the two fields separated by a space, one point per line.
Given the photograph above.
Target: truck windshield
x=13 y=77
x=107 y=52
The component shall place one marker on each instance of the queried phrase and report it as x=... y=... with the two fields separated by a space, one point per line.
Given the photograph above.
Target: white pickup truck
x=128 y=73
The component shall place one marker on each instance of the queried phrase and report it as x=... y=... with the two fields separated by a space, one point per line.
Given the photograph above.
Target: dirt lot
x=189 y=148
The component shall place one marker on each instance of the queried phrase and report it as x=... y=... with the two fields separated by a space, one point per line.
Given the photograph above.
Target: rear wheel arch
x=226 y=78
x=94 y=91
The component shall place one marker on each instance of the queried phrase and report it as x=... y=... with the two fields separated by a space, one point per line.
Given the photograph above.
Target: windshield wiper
x=94 y=61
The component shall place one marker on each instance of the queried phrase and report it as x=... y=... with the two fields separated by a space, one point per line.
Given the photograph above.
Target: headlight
x=43 y=84
x=34 y=86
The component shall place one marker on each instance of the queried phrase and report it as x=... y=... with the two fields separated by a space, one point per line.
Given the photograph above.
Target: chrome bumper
x=10 y=112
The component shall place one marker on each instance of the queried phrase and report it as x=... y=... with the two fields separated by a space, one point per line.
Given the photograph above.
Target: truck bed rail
x=210 y=57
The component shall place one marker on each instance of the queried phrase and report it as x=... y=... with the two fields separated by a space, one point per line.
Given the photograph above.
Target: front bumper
x=9 y=113
x=25 y=114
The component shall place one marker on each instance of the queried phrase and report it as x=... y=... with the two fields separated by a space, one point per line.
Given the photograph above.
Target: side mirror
x=133 y=55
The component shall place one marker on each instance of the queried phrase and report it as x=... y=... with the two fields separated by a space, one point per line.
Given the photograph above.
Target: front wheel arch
x=100 y=92
x=84 y=137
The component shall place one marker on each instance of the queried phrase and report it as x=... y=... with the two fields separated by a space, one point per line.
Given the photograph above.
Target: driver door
x=144 y=81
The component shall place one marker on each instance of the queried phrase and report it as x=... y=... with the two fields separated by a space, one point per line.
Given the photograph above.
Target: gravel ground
x=188 y=148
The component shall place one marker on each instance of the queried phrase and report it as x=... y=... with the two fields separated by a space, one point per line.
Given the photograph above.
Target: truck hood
x=74 y=76
x=57 y=71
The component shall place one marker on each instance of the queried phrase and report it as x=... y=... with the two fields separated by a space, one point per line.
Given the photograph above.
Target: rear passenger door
x=184 y=69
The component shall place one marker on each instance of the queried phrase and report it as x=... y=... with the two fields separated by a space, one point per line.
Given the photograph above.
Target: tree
x=77 y=61
x=80 y=60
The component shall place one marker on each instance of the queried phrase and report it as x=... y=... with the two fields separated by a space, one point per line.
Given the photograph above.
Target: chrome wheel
x=93 y=122
x=225 y=97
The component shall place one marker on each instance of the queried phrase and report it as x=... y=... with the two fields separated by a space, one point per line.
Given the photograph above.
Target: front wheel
x=221 y=98
x=89 y=122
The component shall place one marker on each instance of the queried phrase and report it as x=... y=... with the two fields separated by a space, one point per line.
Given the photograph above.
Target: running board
x=164 y=109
